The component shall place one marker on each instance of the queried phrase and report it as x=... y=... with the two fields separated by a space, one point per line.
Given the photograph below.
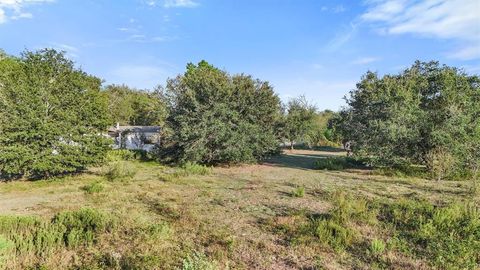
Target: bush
x=120 y=171
x=449 y=237
x=94 y=187
x=377 y=247
x=337 y=163
x=120 y=155
x=198 y=261
x=298 y=192
x=31 y=236
x=190 y=168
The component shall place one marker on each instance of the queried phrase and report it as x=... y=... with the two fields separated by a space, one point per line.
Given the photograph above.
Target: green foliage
x=51 y=116
x=120 y=155
x=216 y=118
x=5 y=247
x=135 y=107
x=337 y=163
x=94 y=187
x=448 y=236
x=198 y=261
x=298 y=192
x=299 y=122
x=335 y=229
x=428 y=115
x=120 y=171
x=190 y=168
x=320 y=133
x=34 y=236
x=377 y=247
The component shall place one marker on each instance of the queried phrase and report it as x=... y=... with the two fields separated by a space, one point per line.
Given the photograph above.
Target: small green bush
x=448 y=236
x=198 y=261
x=196 y=169
x=187 y=169
x=337 y=163
x=69 y=229
x=120 y=171
x=5 y=246
x=298 y=192
x=377 y=247
x=333 y=234
x=94 y=187
x=120 y=155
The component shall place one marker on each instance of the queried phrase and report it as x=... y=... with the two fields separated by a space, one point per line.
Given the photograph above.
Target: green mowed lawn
x=281 y=214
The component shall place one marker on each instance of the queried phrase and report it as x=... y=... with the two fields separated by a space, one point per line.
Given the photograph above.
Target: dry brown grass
x=222 y=214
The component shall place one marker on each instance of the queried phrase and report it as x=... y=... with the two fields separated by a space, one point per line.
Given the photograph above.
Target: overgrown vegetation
x=52 y=115
x=128 y=106
x=446 y=236
x=426 y=115
x=215 y=117
x=28 y=238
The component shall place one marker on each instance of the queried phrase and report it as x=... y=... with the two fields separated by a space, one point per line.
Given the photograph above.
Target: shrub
x=198 y=261
x=333 y=234
x=195 y=169
x=449 y=236
x=120 y=155
x=337 y=163
x=5 y=246
x=298 y=192
x=187 y=169
x=94 y=187
x=31 y=236
x=120 y=171
x=377 y=247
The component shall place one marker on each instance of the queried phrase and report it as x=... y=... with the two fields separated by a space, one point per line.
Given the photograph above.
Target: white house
x=135 y=137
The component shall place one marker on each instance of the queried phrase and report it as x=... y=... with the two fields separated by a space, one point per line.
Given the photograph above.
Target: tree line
x=53 y=117
x=428 y=115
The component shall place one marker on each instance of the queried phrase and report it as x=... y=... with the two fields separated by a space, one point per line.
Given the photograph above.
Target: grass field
x=282 y=214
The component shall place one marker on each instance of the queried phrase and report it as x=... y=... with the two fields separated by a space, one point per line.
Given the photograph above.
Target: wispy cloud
x=172 y=3
x=365 y=60
x=180 y=3
x=334 y=9
x=14 y=9
x=342 y=38
x=445 y=19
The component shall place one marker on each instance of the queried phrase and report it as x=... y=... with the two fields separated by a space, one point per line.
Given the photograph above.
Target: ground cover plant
x=240 y=218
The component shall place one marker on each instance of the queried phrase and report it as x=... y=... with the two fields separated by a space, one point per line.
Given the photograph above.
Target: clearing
x=244 y=217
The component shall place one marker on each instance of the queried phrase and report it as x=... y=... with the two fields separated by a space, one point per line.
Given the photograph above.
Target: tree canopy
x=52 y=116
x=215 y=117
x=128 y=106
x=428 y=114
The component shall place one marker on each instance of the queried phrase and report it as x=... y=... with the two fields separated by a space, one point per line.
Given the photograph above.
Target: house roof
x=143 y=129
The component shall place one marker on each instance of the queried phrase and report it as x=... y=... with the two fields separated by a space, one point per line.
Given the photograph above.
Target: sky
x=315 y=48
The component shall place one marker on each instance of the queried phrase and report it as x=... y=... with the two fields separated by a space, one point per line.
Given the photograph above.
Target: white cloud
x=457 y=20
x=180 y=3
x=13 y=9
x=365 y=60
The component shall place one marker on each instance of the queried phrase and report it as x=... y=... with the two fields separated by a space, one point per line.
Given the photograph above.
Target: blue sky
x=311 y=47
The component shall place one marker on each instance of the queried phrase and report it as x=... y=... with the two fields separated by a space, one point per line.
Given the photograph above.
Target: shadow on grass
x=297 y=160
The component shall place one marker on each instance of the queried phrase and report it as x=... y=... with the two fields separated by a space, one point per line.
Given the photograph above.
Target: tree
x=299 y=120
x=129 y=106
x=52 y=116
x=428 y=115
x=218 y=118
